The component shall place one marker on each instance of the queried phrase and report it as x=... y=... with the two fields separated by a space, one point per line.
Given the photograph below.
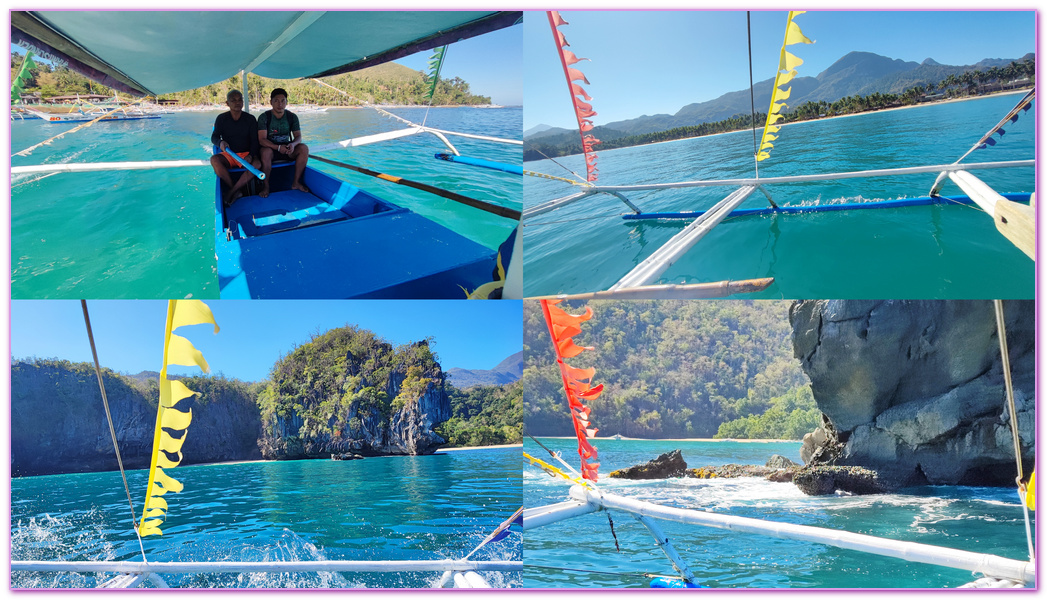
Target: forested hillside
x=389 y=83
x=674 y=369
x=484 y=415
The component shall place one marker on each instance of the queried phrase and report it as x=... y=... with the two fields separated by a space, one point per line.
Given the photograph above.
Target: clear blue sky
x=492 y=64
x=255 y=333
x=652 y=62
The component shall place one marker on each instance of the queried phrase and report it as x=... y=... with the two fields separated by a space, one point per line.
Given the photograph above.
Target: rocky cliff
x=59 y=423
x=915 y=389
x=348 y=390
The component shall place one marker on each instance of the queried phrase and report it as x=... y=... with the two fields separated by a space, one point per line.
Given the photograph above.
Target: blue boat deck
x=339 y=242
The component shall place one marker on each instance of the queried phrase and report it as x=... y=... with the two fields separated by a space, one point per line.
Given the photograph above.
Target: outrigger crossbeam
x=585 y=500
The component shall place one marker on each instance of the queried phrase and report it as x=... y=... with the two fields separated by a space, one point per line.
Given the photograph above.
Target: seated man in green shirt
x=280 y=139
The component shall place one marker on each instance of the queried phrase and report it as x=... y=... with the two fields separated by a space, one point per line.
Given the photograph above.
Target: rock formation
x=670 y=464
x=349 y=391
x=914 y=389
x=824 y=480
x=61 y=425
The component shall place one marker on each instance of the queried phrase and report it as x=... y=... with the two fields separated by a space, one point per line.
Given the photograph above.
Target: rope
x=752 y=101
x=577 y=476
x=555 y=178
x=112 y=430
x=554 y=471
x=501 y=211
x=583 y=180
x=1001 y=332
x=77 y=128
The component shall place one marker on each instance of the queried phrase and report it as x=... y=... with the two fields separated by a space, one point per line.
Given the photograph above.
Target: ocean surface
x=919 y=252
x=150 y=234
x=580 y=552
x=389 y=508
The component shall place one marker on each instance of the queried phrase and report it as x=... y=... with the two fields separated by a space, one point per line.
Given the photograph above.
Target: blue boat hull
x=338 y=242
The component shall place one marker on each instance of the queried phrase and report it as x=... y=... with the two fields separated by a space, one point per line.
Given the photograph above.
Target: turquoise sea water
x=987 y=520
x=919 y=252
x=388 y=508
x=150 y=234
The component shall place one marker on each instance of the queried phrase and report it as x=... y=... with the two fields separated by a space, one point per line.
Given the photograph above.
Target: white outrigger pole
x=587 y=499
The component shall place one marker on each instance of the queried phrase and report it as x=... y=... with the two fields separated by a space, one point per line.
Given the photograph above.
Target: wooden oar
x=501 y=211
x=243 y=163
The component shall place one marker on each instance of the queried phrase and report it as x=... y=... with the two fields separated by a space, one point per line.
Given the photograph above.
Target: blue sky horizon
x=675 y=58
x=256 y=333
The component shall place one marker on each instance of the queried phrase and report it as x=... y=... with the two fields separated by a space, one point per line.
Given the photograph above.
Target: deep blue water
x=919 y=252
x=388 y=508
x=987 y=520
x=150 y=234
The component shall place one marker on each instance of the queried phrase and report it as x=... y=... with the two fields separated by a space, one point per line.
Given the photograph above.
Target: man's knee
x=217 y=163
x=303 y=149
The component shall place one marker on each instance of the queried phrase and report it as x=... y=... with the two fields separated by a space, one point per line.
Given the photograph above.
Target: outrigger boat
x=174 y=416
x=1013 y=214
x=585 y=496
x=338 y=241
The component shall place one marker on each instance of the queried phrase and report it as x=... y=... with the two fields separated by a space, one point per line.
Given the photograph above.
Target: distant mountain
x=538 y=129
x=860 y=73
x=507 y=371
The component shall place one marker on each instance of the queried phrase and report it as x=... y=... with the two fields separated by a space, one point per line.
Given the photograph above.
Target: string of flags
x=583 y=110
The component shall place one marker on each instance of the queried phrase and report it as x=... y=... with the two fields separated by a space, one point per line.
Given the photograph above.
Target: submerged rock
x=822 y=481
x=670 y=464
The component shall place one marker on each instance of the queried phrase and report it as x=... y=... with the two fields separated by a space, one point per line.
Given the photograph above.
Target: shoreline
x=784 y=125
x=262 y=460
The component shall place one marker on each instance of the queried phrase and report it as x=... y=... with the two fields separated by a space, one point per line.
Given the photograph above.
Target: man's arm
x=216 y=136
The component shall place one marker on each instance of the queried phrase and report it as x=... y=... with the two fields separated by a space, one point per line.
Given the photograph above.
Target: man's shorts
x=229 y=161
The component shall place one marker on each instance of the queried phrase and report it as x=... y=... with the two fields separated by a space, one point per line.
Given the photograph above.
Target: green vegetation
x=484 y=415
x=384 y=84
x=787 y=417
x=674 y=369
x=970 y=83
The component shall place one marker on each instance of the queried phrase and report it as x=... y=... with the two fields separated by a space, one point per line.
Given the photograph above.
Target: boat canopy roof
x=157 y=52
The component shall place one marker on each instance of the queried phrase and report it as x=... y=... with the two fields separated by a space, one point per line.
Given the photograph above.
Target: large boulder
x=914 y=388
x=821 y=481
x=670 y=464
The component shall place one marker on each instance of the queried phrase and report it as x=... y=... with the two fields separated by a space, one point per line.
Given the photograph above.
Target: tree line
x=970 y=83
x=384 y=84
x=675 y=369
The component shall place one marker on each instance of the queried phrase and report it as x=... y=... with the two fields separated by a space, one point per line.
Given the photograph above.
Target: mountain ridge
x=856 y=72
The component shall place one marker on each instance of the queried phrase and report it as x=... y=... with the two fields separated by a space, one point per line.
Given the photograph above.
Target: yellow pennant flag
x=787 y=63
x=172 y=419
x=1030 y=492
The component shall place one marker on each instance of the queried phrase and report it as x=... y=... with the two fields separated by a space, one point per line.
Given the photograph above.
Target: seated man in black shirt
x=235 y=130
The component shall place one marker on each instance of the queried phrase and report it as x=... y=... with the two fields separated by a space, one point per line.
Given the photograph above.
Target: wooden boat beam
x=1015 y=221
x=718 y=289
x=544 y=515
x=654 y=265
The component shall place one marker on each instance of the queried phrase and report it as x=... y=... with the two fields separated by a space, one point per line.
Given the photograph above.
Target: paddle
x=244 y=164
